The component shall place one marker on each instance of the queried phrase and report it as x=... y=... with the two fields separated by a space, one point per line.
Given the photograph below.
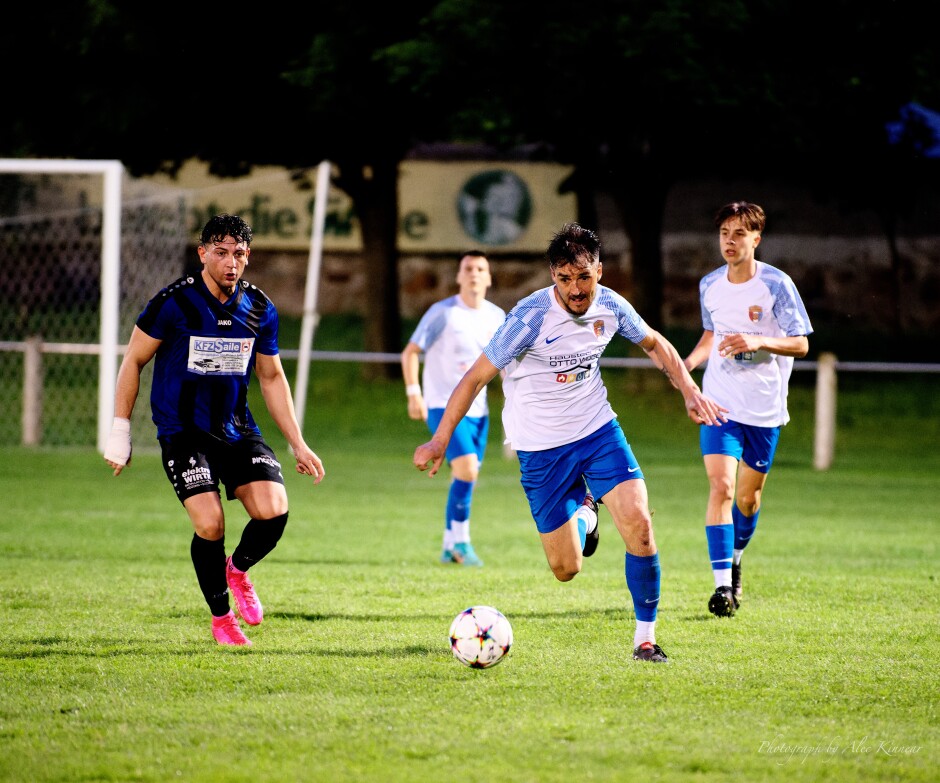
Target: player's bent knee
x=566 y=571
x=211 y=531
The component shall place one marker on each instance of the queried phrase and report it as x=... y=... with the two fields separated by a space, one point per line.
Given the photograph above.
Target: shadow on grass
x=54 y=646
x=159 y=648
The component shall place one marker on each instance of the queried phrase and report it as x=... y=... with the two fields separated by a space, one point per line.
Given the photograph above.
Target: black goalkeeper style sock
x=209 y=562
x=259 y=537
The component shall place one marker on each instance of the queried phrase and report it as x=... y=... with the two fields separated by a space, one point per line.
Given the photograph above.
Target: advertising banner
x=443 y=206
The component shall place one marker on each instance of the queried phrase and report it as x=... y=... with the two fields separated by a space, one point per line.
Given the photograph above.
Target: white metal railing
x=826 y=367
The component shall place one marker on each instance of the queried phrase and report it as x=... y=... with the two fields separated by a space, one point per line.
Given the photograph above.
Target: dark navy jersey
x=207 y=354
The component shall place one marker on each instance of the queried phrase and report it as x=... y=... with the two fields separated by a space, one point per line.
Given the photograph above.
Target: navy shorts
x=756 y=446
x=555 y=480
x=197 y=463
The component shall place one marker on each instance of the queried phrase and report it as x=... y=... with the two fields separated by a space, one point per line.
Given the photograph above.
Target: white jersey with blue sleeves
x=452 y=336
x=552 y=383
x=753 y=386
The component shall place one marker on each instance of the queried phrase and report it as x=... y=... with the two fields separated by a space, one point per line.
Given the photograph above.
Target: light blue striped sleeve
x=629 y=323
x=789 y=309
x=520 y=330
x=431 y=325
x=704 y=284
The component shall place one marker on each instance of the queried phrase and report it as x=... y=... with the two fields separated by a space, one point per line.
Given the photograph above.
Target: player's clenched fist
x=117 y=451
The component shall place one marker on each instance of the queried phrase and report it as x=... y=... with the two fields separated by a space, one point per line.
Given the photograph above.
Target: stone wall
x=840 y=263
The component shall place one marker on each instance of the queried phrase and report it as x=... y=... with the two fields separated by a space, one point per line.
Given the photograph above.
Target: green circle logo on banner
x=495 y=207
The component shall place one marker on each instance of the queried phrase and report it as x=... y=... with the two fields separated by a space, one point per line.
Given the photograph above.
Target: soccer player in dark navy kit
x=208 y=333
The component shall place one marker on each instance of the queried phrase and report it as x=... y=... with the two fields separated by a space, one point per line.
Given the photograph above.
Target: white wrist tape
x=412 y=389
x=118 y=447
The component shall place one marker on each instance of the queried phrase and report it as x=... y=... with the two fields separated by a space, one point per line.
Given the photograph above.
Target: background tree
x=236 y=86
x=636 y=95
x=362 y=115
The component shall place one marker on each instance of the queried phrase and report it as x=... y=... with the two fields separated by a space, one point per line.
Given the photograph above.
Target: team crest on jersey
x=755 y=313
x=598 y=328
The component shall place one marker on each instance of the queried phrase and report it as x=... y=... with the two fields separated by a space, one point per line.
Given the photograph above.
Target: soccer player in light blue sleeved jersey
x=451 y=335
x=754 y=325
x=557 y=417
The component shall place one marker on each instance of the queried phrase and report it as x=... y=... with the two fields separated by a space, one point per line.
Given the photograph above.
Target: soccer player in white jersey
x=558 y=419
x=451 y=335
x=755 y=324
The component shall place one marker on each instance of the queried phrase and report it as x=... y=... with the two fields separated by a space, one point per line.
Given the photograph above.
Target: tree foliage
x=636 y=95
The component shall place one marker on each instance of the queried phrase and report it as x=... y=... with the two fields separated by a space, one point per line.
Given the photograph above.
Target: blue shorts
x=554 y=480
x=756 y=446
x=469 y=437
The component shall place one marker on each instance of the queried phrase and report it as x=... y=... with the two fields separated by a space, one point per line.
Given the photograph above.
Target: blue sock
x=643 y=576
x=458 y=501
x=743 y=527
x=720 y=545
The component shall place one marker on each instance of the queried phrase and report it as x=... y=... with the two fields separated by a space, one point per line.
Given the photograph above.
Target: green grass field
x=829 y=672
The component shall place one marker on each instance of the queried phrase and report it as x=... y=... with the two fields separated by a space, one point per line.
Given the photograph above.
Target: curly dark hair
x=574 y=244
x=222 y=226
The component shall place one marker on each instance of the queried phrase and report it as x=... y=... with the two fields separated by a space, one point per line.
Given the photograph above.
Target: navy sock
x=259 y=537
x=209 y=562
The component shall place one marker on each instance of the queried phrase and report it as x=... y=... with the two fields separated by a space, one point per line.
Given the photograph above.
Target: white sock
x=590 y=518
x=736 y=557
x=722 y=577
x=645 y=632
x=461 y=532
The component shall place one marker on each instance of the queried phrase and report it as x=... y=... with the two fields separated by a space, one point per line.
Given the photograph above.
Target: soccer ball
x=480 y=637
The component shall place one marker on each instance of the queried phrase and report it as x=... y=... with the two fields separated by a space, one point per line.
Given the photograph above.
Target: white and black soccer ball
x=480 y=637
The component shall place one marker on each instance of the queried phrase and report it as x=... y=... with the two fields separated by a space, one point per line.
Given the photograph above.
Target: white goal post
x=112 y=172
x=311 y=290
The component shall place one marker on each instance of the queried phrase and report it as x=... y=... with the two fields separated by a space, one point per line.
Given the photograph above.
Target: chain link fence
x=50 y=317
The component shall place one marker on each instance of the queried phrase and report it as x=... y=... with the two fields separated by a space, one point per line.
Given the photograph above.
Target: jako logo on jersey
x=598 y=328
x=755 y=313
x=572 y=377
x=224 y=322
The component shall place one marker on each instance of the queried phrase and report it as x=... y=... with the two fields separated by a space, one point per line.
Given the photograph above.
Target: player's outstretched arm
x=461 y=398
x=700 y=409
x=276 y=392
x=140 y=350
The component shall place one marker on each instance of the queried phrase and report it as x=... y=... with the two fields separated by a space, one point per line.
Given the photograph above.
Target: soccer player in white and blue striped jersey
x=557 y=417
x=755 y=325
x=451 y=335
